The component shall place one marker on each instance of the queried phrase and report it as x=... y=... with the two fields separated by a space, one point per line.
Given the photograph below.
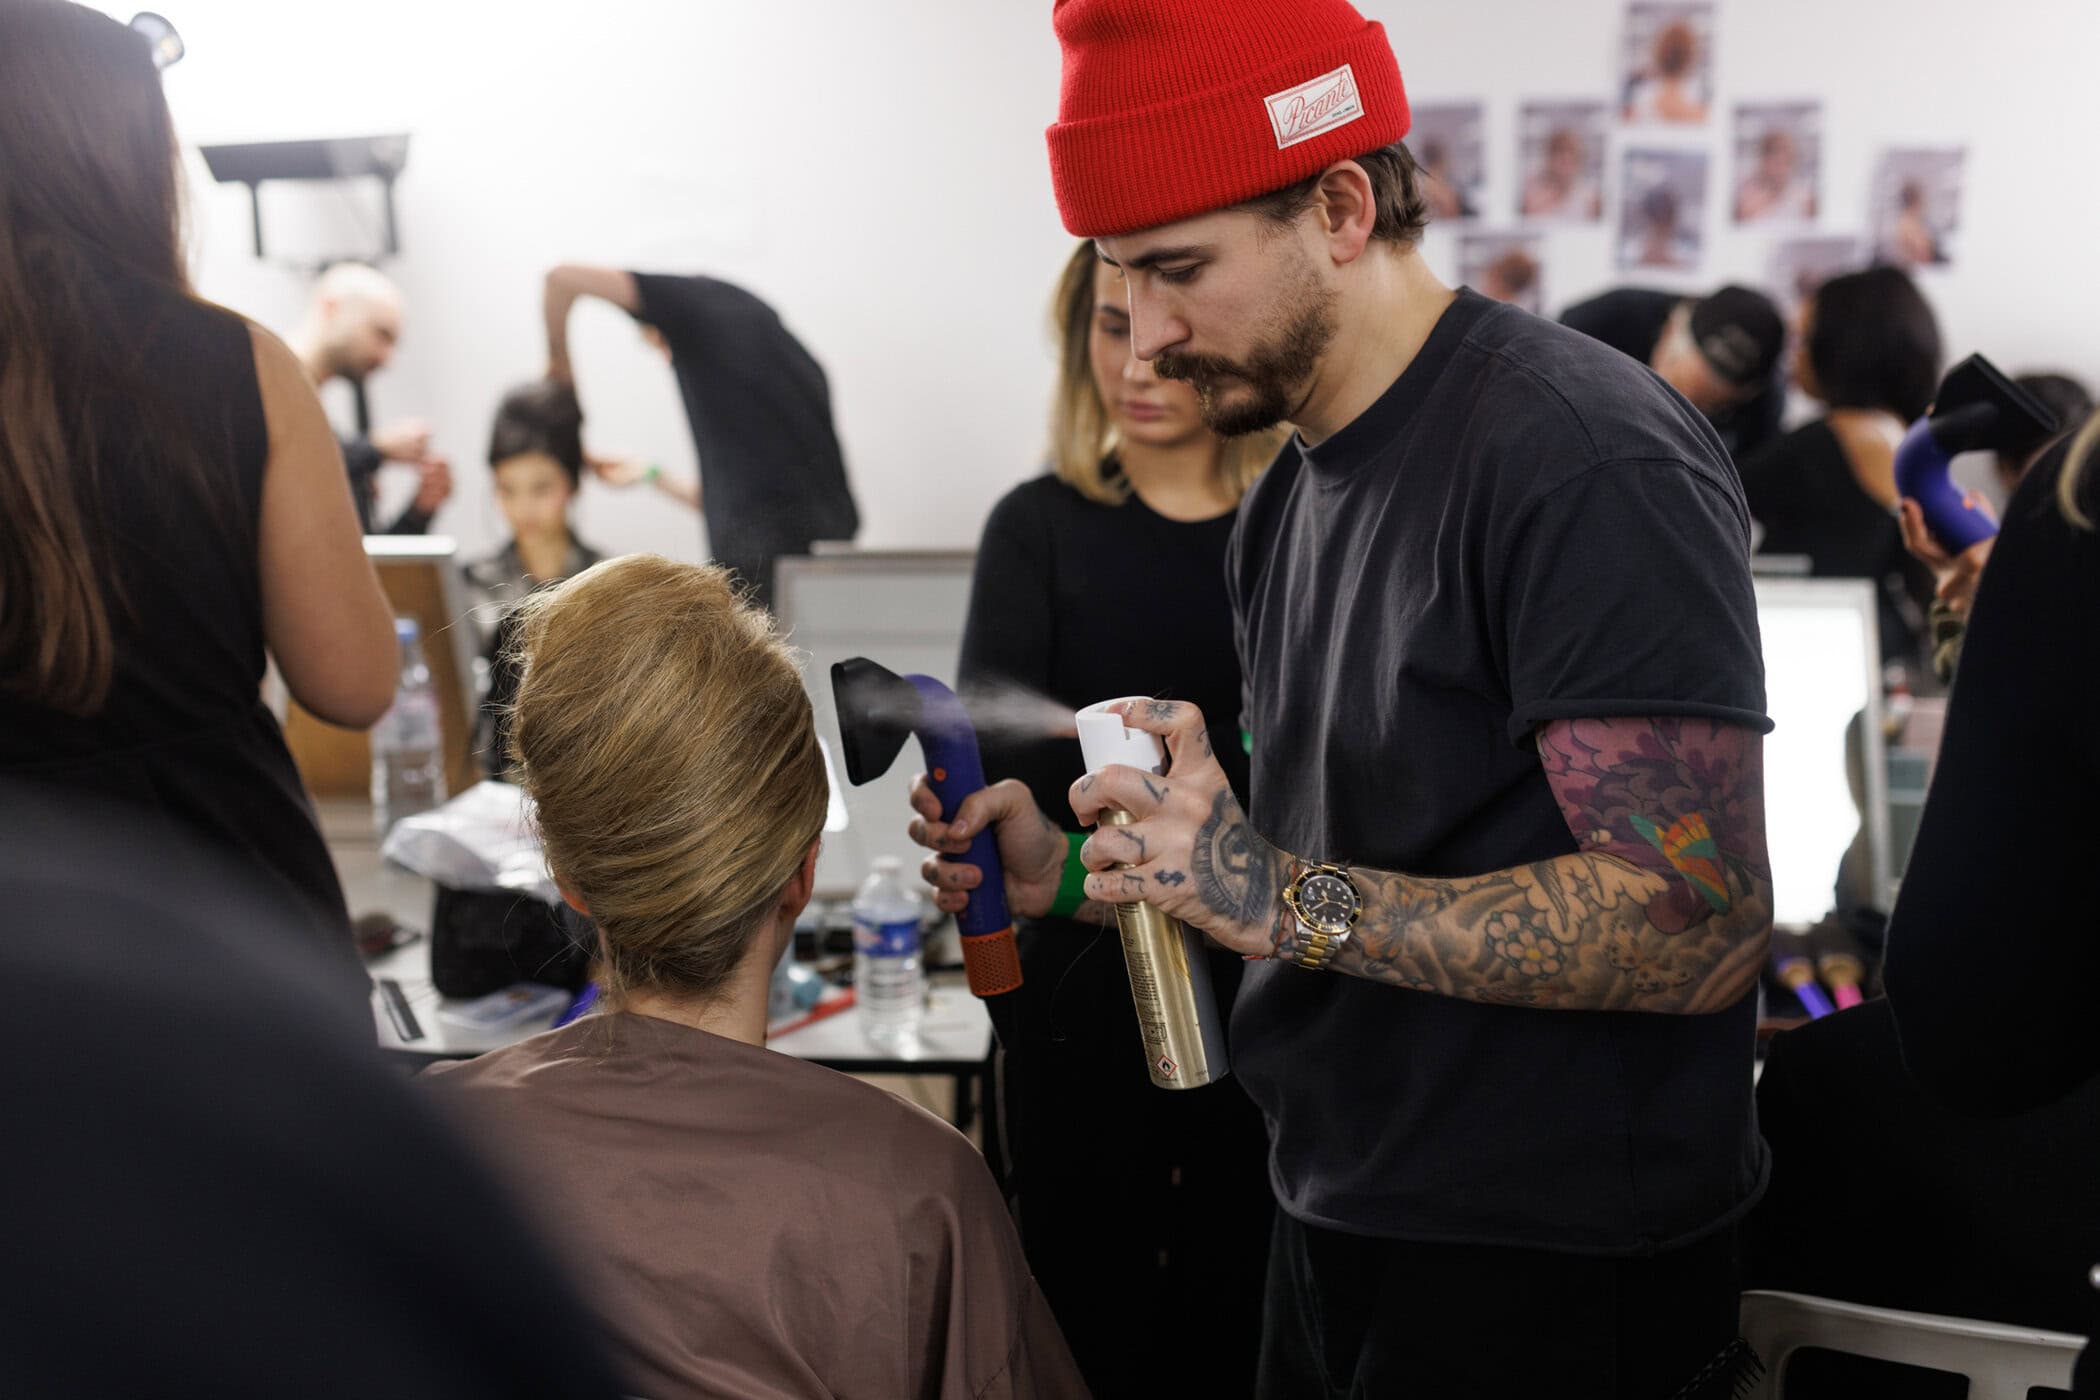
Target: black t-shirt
x=772 y=477
x=1526 y=527
x=1809 y=503
x=1631 y=320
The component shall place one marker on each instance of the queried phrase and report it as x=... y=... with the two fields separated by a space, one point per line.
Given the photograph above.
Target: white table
x=954 y=1040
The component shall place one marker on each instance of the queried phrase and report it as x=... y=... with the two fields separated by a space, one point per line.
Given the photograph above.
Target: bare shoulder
x=279 y=376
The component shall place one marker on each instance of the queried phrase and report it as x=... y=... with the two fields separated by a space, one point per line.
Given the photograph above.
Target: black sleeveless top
x=184 y=731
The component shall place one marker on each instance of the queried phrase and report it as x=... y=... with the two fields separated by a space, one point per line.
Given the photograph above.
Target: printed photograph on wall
x=1800 y=265
x=1662 y=211
x=1447 y=143
x=1560 y=154
x=1668 y=64
x=1778 y=162
x=1506 y=266
x=1916 y=203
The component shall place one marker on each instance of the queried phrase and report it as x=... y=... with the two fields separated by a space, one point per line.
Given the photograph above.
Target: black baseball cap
x=1740 y=334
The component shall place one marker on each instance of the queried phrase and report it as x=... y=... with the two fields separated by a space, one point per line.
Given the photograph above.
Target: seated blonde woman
x=747 y=1224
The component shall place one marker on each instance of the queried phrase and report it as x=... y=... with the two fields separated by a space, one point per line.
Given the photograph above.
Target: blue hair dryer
x=878 y=711
x=1977 y=409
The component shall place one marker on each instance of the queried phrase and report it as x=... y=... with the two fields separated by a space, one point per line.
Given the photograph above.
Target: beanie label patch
x=1303 y=112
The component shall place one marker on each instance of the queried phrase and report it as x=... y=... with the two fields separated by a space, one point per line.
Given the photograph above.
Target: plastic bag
x=482 y=839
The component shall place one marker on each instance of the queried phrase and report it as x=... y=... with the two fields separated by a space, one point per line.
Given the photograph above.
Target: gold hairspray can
x=1177 y=1009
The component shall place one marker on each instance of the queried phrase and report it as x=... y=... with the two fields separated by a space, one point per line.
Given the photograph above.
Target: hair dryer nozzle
x=878 y=710
x=1978 y=408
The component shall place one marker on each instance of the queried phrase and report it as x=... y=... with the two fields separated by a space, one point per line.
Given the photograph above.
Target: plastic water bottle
x=889 y=979
x=408 y=749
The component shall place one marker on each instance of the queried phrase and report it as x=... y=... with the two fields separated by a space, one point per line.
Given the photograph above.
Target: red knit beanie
x=1173 y=108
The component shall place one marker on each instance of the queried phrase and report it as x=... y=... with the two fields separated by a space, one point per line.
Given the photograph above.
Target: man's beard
x=1236 y=397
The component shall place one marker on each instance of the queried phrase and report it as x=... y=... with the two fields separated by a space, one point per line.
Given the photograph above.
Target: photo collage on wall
x=1661 y=165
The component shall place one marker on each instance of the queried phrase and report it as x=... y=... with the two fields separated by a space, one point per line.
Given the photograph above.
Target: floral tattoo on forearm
x=1665 y=907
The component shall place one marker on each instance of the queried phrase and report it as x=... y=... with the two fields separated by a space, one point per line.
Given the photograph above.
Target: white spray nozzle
x=1105 y=739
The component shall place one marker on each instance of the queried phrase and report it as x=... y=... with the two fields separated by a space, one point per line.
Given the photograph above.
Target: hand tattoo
x=1171 y=877
x=1237 y=873
x=1158 y=790
x=1161 y=711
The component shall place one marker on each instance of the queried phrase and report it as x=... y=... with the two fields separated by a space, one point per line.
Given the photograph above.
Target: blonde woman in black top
x=1134 y=1202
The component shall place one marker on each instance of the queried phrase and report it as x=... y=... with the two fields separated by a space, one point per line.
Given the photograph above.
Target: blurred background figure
x=1723 y=352
x=536 y=459
x=2065 y=397
x=1513 y=277
x=1656 y=234
x=175 y=505
x=351 y=328
x=1563 y=186
x=1776 y=187
x=1672 y=88
x=772 y=477
x=1447 y=197
x=1868 y=349
x=1911 y=240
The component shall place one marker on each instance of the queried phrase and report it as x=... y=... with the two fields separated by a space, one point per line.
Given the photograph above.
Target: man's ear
x=571 y=898
x=1347 y=206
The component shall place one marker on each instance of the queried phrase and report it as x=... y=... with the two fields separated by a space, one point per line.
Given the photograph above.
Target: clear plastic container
x=889 y=973
x=408 y=743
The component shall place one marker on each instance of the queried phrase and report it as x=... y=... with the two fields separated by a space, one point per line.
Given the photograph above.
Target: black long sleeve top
x=1994 y=946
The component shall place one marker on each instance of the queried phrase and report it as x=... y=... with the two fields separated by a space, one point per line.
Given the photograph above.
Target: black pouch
x=483 y=940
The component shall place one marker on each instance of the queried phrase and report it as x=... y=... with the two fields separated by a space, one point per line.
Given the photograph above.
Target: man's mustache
x=1169 y=365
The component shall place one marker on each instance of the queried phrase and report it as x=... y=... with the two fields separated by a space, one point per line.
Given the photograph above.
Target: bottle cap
x=407 y=629
x=1105 y=739
x=886 y=865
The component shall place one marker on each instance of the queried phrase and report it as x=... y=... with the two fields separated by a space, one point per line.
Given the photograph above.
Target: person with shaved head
x=351 y=328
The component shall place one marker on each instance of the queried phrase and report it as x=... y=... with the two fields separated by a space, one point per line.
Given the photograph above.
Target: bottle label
x=897 y=939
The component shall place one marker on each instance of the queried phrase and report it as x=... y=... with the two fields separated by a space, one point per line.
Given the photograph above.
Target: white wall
x=877 y=171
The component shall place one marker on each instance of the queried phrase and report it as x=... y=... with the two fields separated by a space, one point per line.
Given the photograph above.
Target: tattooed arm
x=1665 y=907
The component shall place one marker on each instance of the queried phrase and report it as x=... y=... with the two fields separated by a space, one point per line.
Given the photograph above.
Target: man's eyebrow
x=1155 y=256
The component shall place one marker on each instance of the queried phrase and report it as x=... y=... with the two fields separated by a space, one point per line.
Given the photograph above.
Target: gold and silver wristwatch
x=1325 y=902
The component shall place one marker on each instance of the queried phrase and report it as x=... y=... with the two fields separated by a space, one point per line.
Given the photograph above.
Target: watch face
x=1327 y=903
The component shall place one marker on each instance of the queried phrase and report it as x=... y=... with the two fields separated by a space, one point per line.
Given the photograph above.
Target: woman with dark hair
x=536 y=457
x=1869 y=348
x=175 y=504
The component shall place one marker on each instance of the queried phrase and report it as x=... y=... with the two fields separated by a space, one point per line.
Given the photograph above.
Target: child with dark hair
x=536 y=457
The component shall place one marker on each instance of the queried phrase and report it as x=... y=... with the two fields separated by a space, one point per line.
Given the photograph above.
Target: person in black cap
x=1722 y=352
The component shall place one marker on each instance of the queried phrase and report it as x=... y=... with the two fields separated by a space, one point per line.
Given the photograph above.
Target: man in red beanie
x=1505 y=869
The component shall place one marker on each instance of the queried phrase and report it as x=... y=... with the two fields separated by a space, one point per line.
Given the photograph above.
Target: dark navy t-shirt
x=1527 y=526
